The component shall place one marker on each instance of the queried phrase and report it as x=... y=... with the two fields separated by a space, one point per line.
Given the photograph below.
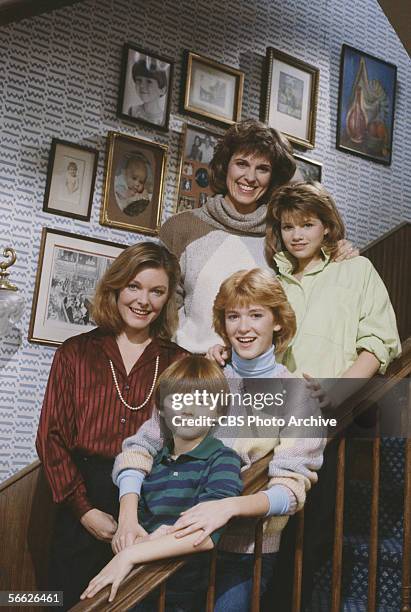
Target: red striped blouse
x=82 y=411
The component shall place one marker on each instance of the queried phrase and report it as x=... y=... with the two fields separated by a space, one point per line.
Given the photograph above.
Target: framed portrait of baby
x=134 y=184
x=71 y=176
x=145 y=87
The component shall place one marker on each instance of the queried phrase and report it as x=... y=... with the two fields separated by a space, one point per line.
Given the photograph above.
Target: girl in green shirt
x=346 y=325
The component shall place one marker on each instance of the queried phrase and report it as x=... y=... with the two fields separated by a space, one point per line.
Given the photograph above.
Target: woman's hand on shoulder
x=218 y=353
x=100 y=524
x=113 y=573
x=205 y=517
x=128 y=532
x=345 y=250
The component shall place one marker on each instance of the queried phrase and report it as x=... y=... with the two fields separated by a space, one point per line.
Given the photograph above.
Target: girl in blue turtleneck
x=251 y=313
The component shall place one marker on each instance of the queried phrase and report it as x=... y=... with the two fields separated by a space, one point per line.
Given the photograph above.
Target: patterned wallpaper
x=60 y=75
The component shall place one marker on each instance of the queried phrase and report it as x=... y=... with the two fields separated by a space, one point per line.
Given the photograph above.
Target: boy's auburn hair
x=189 y=374
x=255 y=287
x=300 y=201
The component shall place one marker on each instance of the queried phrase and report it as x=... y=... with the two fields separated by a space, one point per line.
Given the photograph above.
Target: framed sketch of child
x=291 y=98
x=68 y=271
x=197 y=152
x=145 y=87
x=307 y=169
x=71 y=176
x=212 y=90
x=134 y=183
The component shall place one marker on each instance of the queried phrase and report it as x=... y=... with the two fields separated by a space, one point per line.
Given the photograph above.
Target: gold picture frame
x=290 y=104
x=212 y=90
x=133 y=184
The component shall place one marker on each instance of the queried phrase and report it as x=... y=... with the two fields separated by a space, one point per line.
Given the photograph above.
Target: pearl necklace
x=149 y=394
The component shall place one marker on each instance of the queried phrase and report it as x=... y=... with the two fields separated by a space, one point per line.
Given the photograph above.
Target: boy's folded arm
x=139 y=450
x=162 y=547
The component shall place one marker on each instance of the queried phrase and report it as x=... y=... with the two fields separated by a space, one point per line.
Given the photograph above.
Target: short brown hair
x=123 y=269
x=255 y=138
x=302 y=200
x=191 y=373
x=255 y=287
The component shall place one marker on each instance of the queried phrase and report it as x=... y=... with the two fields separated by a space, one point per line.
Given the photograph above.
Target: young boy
x=191 y=468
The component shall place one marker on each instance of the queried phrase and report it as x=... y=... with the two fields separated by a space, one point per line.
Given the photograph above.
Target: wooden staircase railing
x=137 y=584
x=26 y=509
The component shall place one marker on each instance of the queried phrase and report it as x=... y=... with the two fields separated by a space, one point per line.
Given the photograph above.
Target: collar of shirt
x=285 y=263
x=204 y=450
x=107 y=343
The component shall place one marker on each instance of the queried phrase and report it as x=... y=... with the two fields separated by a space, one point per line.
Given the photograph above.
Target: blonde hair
x=124 y=268
x=302 y=200
x=189 y=374
x=255 y=286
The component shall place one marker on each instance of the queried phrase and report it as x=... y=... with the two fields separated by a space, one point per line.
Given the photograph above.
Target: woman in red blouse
x=100 y=392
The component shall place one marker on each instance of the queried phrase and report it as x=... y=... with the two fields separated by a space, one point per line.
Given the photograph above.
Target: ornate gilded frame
x=120 y=148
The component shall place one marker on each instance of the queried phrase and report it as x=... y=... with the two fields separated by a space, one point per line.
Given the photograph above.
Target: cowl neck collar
x=220 y=214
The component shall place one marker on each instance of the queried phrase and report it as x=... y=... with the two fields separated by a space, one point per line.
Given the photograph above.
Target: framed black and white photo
x=291 y=99
x=197 y=152
x=307 y=169
x=145 y=87
x=68 y=271
x=212 y=90
x=134 y=184
x=71 y=176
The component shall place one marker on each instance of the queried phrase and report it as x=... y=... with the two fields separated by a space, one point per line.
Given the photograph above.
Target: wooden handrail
x=145 y=578
x=388 y=234
x=141 y=580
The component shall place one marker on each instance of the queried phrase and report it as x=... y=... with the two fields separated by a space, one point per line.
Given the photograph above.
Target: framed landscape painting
x=366 y=105
x=212 y=90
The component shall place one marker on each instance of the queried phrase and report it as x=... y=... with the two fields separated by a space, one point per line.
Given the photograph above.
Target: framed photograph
x=71 y=176
x=366 y=104
x=307 y=169
x=212 y=90
x=145 y=87
x=134 y=182
x=68 y=271
x=291 y=99
x=197 y=152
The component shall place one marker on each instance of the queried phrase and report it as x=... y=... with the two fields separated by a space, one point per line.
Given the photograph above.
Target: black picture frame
x=71 y=177
x=149 y=64
x=365 y=122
